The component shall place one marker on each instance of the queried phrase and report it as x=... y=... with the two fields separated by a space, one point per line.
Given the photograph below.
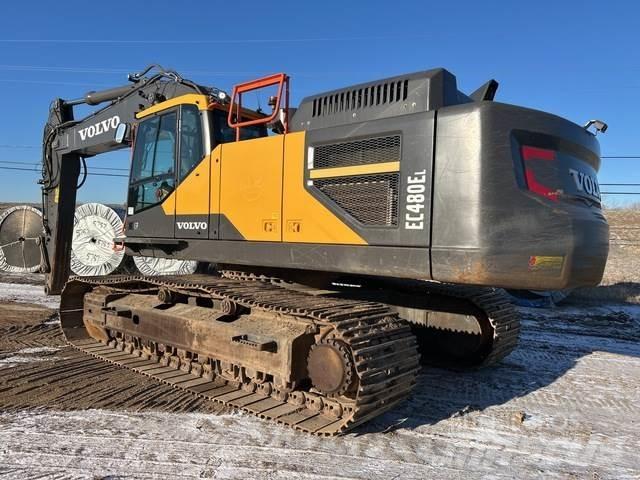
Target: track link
x=500 y=312
x=383 y=348
x=502 y=329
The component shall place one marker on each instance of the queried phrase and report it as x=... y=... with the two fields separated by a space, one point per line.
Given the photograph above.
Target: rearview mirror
x=122 y=133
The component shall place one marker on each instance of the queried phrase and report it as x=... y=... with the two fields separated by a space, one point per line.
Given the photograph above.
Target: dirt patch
x=66 y=379
x=38 y=369
x=21 y=314
x=22 y=278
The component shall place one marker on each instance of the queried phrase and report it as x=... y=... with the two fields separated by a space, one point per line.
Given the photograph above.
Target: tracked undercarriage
x=319 y=363
x=455 y=325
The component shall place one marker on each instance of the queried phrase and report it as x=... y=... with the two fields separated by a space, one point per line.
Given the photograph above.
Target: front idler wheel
x=330 y=367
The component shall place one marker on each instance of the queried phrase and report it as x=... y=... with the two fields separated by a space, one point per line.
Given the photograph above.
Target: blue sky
x=577 y=59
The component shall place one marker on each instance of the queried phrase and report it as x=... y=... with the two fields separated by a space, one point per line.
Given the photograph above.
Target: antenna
x=259 y=109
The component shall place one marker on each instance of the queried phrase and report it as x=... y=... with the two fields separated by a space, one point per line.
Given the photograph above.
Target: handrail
x=280 y=79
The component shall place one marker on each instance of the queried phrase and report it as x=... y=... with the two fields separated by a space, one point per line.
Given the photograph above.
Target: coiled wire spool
x=154 y=266
x=93 y=252
x=20 y=231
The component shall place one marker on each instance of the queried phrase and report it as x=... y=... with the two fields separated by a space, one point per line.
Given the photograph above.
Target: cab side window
x=191 y=150
x=154 y=159
x=223 y=133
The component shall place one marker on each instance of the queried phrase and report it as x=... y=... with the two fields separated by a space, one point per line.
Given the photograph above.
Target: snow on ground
x=565 y=404
x=27 y=294
x=25 y=355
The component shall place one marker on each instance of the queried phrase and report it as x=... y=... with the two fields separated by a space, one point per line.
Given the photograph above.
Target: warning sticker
x=540 y=262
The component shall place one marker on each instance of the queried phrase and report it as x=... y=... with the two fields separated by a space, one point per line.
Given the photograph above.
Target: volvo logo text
x=585 y=183
x=191 y=225
x=99 y=128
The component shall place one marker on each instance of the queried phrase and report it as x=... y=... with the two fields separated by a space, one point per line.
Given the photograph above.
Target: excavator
x=347 y=241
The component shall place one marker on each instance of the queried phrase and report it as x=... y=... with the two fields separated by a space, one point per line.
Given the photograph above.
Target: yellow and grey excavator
x=346 y=239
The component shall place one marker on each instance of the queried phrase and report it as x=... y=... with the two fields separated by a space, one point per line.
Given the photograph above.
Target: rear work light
x=531 y=156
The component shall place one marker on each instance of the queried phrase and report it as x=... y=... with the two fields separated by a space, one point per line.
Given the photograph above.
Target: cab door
x=193 y=176
x=151 y=203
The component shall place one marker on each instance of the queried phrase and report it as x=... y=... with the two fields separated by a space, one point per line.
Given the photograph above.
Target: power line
x=35 y=170
x=72 y=84
x=4 y=145
x=208 y=41
x=120 y=71
x=21 y=163
x=40 y=164
x=9 y=145
x=620 y=193
x=42 y=68
x=620 y=184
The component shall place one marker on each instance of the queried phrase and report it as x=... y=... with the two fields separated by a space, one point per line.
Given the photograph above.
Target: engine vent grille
x=359 y=152
x=370 y=199
x=349 y=100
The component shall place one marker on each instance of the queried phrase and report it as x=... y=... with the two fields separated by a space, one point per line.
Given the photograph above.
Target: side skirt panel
x=407 y=262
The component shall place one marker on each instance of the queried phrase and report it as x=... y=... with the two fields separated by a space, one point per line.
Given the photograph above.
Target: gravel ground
x=565 y=404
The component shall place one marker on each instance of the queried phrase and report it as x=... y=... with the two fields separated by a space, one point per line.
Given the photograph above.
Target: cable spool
x=155 y=266
x=93 y=252
x=20 y=232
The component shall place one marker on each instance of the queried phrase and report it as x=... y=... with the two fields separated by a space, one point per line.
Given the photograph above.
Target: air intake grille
x=370 y=96
x=359 y=152
x=370 y=199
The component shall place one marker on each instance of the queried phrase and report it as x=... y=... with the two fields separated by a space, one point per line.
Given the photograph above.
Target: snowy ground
x=25 y=292
x=565 y=404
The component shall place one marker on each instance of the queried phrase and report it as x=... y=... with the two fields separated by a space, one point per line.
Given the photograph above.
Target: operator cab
x=169 y=145
x=174 y=137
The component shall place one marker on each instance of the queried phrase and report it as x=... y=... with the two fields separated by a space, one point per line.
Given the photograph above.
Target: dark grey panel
x=487 y=226
x=150 y=223
x=386 y=98
x=95 y=133
x=221 y=227
x=417 y=136
x=383 y=261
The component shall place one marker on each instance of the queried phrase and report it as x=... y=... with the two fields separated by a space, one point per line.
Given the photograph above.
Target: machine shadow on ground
x=552 y=343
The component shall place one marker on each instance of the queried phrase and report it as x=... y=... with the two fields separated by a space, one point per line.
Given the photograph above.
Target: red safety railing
x=280 y=79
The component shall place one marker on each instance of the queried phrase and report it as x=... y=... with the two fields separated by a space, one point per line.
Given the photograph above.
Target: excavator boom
x=67 y=142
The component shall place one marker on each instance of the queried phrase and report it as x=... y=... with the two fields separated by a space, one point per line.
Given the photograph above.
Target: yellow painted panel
x=305 y=218
x=192 y=195
x=355 y=170
x=169 y=204
x=251 y=187
x=201 y=101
